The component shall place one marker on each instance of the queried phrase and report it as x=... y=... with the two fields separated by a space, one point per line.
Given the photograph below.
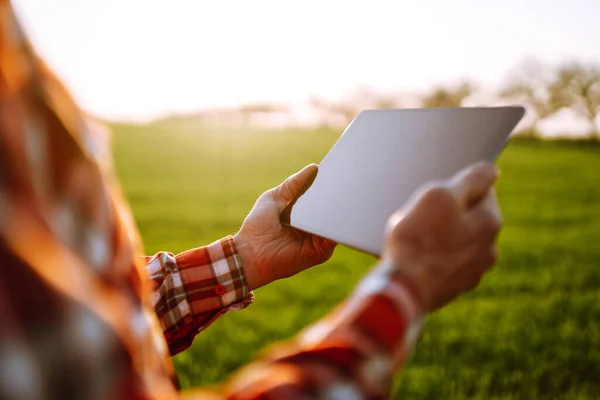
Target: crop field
x=531 y=330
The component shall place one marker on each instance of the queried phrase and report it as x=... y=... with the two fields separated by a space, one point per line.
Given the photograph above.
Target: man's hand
x=270 y=250
x=443 y=241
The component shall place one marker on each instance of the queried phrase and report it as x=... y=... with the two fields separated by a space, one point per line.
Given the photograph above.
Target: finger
x=486 y=217
x=488 y=207
x=328 y=244
x=324 y=247
x=294 y=186
x=483 y=262
x=490 y=203
x=470 y=185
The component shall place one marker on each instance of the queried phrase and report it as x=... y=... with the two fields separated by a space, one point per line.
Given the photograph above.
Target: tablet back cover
x=384 y=156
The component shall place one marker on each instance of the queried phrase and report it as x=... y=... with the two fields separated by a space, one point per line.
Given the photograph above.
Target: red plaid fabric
x=194 y=288
x=83 y=315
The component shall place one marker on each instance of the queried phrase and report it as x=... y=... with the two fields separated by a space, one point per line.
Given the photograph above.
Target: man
x=83 y=315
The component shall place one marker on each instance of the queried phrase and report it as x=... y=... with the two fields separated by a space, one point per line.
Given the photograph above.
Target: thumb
x=294 y=186
x=472 y=184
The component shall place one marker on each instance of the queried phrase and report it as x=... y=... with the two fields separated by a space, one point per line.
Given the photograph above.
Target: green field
x=531 y=330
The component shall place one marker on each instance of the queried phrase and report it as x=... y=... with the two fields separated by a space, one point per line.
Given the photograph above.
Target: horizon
x=141 y=60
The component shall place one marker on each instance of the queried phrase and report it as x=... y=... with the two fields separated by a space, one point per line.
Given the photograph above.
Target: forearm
x=352 y=353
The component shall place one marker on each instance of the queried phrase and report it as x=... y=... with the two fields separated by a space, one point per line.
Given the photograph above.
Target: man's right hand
x=443 y=241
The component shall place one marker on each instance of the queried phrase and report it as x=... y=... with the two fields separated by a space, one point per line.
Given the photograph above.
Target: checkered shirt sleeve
x=353 y=353
x=192 y=289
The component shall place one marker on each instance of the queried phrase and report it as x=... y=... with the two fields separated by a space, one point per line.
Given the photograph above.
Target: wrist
x=412 y=281
x=246 y=257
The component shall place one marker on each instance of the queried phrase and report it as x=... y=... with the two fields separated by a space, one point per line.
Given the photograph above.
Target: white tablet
x=383 y=156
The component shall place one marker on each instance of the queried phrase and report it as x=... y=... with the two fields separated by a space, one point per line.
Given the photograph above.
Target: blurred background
x=213 y=102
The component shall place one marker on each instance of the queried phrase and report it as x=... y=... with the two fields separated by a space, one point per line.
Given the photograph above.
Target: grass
x=531 y=330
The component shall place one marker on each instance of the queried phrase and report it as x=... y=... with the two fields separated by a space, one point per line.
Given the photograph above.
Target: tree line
x=542 y=89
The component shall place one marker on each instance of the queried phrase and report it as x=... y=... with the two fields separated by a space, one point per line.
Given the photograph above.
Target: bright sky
x=138 y=59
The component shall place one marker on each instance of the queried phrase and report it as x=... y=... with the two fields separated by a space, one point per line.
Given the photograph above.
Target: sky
x=141 y=59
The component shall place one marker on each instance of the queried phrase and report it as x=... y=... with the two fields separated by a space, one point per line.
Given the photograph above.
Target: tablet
x=383 y=156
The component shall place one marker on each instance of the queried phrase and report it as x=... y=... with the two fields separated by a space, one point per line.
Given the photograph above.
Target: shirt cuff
x=381 y=320
x=213 y=279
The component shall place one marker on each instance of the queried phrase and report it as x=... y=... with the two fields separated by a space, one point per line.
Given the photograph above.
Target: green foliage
x=532 y=330
x=547 y=90
x=579 y=87
x=447 y=97
x=535 y=85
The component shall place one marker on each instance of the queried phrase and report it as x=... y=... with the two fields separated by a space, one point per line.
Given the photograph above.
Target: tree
x=447 y=96
x=534 y=85
x=342 y=112
x=367 y=98
x=335 y=113
x=248 y=110
x=578 y=86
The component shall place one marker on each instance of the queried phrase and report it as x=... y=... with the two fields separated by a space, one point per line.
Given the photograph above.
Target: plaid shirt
x=82 y=315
